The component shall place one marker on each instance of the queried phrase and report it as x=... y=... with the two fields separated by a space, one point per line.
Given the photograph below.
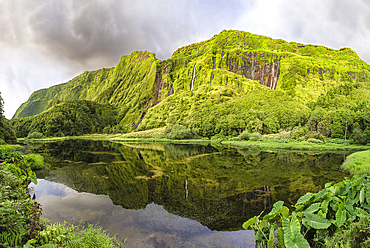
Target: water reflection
x=216 y=188
x=151 y=226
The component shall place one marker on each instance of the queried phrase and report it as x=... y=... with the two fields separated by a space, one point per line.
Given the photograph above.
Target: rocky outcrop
x=261 y=67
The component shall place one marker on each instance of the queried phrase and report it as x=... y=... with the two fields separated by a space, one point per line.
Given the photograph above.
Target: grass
x=358 y=163
x=294 y=145
x=156 y=136
x=16 y=148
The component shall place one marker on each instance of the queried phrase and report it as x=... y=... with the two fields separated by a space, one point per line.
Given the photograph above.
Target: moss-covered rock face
x=232 y=67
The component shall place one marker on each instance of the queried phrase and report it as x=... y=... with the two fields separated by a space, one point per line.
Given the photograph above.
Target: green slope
x=235 y=79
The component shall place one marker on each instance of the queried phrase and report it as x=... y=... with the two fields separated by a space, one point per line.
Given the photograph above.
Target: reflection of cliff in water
x=220 y=188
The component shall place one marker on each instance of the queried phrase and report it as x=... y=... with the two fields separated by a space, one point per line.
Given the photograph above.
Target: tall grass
x=358 y=163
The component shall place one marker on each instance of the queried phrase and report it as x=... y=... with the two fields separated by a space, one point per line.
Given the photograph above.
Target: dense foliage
x=318 y=218
x=6 y=131
x=67 y=119
x=17 y=211
x=21 y=224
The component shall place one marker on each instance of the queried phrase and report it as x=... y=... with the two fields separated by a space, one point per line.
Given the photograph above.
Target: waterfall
x=192 y=80
x=277 y=75
x=186 y=190
x=171 y=90
x=272 y=76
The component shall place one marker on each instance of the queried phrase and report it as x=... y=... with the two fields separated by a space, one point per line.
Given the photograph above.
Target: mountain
x=233 y=81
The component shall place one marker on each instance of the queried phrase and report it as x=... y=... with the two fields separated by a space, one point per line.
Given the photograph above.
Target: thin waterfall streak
x=192 y=80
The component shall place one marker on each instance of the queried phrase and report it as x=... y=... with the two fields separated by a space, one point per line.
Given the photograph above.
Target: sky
x=48 y=42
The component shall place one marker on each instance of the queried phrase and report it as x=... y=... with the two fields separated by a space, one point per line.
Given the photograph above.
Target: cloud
x=335 y=24
x=46 y=42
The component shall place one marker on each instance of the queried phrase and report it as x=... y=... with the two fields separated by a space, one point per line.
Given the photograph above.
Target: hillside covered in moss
x=234 y=81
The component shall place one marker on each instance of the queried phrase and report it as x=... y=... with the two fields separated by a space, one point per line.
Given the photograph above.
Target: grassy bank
x=358 y=163
x=263 y=144
x=294 y=145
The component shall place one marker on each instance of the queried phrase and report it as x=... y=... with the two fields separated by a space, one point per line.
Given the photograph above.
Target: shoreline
x=263 y=145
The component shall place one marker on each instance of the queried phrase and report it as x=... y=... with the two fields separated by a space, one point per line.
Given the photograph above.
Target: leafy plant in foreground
x=316 y=215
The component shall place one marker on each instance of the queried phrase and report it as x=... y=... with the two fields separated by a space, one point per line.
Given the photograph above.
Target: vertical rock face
x=161 y=83
x=261 y=67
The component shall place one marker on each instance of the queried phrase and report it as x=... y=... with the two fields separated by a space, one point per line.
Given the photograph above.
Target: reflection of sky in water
x=149 y=227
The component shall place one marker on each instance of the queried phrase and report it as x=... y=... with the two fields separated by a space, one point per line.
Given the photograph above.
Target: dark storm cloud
x=87 y=31
x=46 y=42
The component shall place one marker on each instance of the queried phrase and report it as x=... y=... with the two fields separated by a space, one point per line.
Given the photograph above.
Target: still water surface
x=166 y=195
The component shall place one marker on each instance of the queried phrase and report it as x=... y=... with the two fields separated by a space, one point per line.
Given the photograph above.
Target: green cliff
x=235 y=80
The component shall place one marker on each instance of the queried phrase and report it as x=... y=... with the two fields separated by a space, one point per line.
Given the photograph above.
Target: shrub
x=298 y=132
x=35 y=161
x=35 y=135
x=359 y=137
x=245 y=135
x=179 y=132
x=254 y=136
x=314 y=135
x=2 y=142
x=285 y=134
x=317 y=141
x=357 y=234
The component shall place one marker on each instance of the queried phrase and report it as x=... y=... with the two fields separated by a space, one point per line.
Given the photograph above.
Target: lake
x=169 y=195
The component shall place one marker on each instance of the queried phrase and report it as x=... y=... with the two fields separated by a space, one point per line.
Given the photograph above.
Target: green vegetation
x=357 y=163
x=70 y=236
x=21 y=224
x=180 y=132
x=242 y=82
x=35 y=135
x=17 y=210
x=7 y=133
x=318 y=218
x=35 y=161
x=66 y=119
x=355 y=235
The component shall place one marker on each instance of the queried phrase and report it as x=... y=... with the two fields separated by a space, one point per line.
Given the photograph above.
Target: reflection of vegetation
x=216 y=186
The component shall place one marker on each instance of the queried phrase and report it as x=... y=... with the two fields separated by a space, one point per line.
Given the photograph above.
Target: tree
x=1 y=118
x=7 y=132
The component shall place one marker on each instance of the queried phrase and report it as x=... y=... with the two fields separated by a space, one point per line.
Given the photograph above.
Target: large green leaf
x=316 y=221
x=320 y=195
x=361 y=213
x=280 y=237
x=349 y=206
x=303 y=199
x=284 y=211
x=340 y=216
x=327 y=185
x=250 y=222
x=270 y=242
x=367 y=195
x=357 y=181
x=313 y=208
x=292 y=234
x=325 y=204
x=362 y=195
x=276 y=208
